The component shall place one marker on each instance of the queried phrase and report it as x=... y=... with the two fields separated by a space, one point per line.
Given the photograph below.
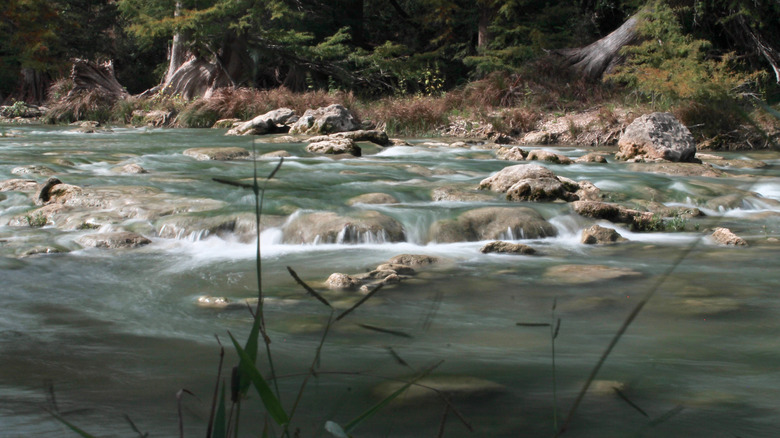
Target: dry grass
x=417 y=115
x=246 y=103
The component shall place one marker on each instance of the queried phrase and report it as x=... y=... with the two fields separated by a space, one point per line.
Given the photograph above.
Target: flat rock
x=414 y=260
x=678 y=169
x=217 y=154
x=507 y=248
x=335 y=146
x=115 y=240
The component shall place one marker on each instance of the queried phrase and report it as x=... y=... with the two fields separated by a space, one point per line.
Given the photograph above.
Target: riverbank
x=501 y=108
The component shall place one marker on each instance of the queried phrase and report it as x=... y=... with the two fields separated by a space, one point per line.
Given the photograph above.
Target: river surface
x=117 y=333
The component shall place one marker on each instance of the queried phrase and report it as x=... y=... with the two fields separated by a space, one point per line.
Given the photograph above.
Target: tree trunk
x=486 y=16
x=600 y=57
x=88 y=76
x=190 y=76
x=178 y=53
x=766 y=50
x=33 y=86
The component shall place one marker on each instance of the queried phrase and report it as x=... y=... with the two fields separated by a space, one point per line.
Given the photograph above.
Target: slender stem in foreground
x=653 y=288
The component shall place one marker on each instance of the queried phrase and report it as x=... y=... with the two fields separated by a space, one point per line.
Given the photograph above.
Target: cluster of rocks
x=393 y=271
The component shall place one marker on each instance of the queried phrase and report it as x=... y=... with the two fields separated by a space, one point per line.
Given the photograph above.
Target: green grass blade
x=359 y=303
x=308 y=288
x=374 y=409
x=71 y=426
x=398 y=333
x=220 y=420
x=270 y=401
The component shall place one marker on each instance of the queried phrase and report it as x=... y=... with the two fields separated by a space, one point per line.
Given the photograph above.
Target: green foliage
x=36 y=220
x=671 y=65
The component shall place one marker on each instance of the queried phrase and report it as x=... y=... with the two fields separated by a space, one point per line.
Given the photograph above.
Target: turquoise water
x=118 y=332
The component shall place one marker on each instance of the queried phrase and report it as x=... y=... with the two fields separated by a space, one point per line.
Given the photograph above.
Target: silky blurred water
x=118 y=333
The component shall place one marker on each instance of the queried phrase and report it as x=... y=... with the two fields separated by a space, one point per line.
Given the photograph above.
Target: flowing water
x=116 y=333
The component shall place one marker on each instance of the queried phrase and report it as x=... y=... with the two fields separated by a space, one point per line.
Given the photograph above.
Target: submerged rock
x=41 y=250
x=115 y=240
x=130 y=169
x=492 y=223
x=373 y=198
x=507 y=248
x=678 y=169
x=598 y=235
x=458 y=195
x=325 y=120
x=454 y=387
x=329 y=227
x=217 y=154
x=578 y=274
x=654 y=137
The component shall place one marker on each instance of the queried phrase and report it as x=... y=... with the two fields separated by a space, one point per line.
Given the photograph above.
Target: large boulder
x=268 y=123
x=325 y=120
x=530 y=182
x=329 y=227
x=656 y=137
x=492 y=223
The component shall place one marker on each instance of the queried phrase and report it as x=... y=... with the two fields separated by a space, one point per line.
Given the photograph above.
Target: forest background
x=422 y=61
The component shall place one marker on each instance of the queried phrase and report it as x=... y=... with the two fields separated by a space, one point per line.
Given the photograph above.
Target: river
x=116 y=333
